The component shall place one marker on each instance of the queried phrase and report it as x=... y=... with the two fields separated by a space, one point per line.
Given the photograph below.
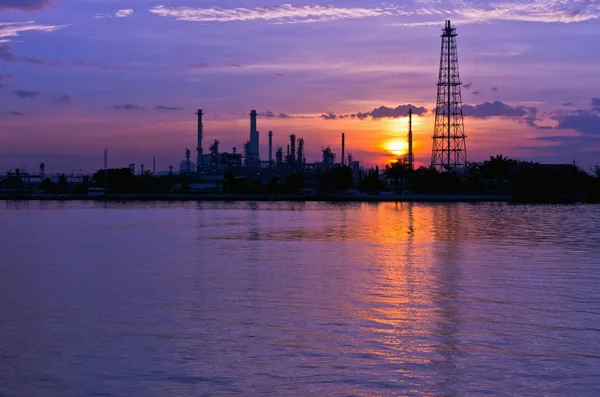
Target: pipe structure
x=410 y=141
x=343 y=148
x=200 y=136
x=270 y=147
x=253 y=137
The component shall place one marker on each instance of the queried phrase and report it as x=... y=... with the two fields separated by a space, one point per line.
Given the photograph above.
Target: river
x=296 y=299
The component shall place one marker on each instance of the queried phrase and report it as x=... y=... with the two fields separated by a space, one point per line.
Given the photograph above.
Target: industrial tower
x=411 y=155
x=449 y=149
x=199 y=149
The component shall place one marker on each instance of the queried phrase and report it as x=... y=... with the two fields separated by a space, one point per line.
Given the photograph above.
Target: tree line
x=497 y=175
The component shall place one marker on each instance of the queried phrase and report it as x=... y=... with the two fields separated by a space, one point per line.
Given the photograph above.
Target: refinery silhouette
x=286 y=172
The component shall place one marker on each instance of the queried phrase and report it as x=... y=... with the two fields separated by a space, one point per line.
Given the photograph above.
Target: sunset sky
x=77 y=76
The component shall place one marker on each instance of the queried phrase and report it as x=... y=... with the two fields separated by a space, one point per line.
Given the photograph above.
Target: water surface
x=284 y=299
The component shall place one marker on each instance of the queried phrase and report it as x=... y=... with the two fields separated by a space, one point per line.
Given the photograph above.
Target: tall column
x=199 y=164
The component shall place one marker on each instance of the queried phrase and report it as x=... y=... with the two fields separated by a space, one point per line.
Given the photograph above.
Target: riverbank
x=264 y=197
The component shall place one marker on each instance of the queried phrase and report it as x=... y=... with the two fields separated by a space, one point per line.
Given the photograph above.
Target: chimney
x=293 y=146
x=200 y=136
x=343 y=148
x=270 y=147
x=253 y=136
x=410 y=141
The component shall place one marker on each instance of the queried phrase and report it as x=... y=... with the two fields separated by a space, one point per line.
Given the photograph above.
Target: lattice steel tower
x=449 y=149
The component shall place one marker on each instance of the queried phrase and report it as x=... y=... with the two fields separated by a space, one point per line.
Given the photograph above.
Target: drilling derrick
x=449 y=151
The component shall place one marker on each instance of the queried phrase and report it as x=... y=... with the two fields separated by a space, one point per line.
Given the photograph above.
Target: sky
x=79 y=76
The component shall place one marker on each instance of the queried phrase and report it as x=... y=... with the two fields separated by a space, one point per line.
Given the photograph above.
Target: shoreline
x=278 y=198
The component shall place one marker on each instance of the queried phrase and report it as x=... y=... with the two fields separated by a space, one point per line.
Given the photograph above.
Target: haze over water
x=190 y=299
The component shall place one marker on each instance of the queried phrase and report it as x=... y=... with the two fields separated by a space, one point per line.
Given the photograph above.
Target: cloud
x=582 y=121
x=83 y=64
x=495 y=89
x=269 y=114
x=285 y=13
x=540 y=11
x=398 y=111
x=161 y=107
x=6 y=54
x=378 y=113
x=467 y=85
x=124 y=13
x=568 y=104
x=13 y=29
x=13 y=113
x=63 y=100
x=476 y=92
x=596 y=103
x=127 y=106
x=5 y=79
x=495 y=109
x=25 y=94
x=279 y=74
x=25 y=5
x=329 y=116
x=200 y=65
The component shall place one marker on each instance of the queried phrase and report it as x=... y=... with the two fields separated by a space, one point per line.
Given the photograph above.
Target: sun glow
x=397 y=148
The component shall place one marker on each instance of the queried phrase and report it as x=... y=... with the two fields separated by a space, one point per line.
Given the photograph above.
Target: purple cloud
x=27 y=5
x=495 y=89
x=269 y=114
x=161 y=107
x=568 y=104
x=468 y=85
x=127 y=106
x=97 y=65
x=4 y=79
x=6 y=54
x=14 y=113
x=25 y=94
x=494 y=109
x=476 y=92
x=329 y=116
x=582 y=121
x=63 y=100
x=201 y=65
x=382 y=112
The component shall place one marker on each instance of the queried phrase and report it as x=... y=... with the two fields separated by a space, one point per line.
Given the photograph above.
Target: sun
x=397 y=148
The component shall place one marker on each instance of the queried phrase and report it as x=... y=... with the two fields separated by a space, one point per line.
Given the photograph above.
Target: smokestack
x=253 y=136
x=199 y=164
x=410 y=141
x=343 y=148
x=270 y=147
x=293 y=146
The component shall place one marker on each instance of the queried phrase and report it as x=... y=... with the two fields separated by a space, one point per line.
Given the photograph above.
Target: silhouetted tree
x=396 y=172
x=47 y=185
x=294 y=183
x=426 y=180
x=228 y=182
x=336 y=179
x=120 y=180
x=63 y=183
x=498 y=169
x=372 y=181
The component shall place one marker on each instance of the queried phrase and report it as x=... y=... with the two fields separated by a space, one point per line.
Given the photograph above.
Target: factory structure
x=206 y=169
x=279 y=161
